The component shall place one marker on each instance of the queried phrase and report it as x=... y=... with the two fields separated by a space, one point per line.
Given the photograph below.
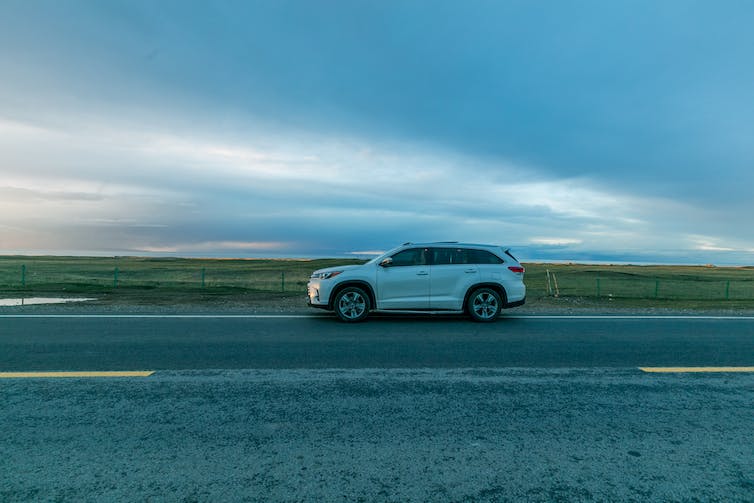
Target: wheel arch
x=361 y=284
x=493 y=286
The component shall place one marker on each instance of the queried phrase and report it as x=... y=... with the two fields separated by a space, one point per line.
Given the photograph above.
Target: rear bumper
x=515 y=303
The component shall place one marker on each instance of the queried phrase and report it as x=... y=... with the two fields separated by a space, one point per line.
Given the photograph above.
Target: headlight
x=325 y=275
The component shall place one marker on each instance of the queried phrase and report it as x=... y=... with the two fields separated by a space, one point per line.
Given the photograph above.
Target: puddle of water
x=41 y=300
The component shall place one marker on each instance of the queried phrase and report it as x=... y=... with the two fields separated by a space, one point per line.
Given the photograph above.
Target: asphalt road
x=175 y=343
x=396 y=409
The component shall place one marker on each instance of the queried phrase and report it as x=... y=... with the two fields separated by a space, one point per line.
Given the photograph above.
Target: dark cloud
x=621 y=117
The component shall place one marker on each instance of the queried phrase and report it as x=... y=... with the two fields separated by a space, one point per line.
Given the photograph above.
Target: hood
x=337 y=268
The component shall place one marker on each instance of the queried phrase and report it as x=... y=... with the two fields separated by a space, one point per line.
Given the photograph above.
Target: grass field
x=177 y=280
x=644 y=286
x=158 y=281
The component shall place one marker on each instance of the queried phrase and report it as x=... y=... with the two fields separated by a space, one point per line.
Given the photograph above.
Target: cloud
x=25 y=195
x=336 y=127
x=556 y=241
x=303 y=194
x=708 y=243
x=367 y=252
x=219 y=247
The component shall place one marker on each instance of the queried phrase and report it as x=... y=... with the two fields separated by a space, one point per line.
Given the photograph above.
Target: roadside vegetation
x=179 y=281
x=656 y=286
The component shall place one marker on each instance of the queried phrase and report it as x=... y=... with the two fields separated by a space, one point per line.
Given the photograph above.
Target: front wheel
x=484 y=305
x=352 y=304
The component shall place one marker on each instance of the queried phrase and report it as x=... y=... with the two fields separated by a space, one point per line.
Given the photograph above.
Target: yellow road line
x=696 y=369
x=22 y=375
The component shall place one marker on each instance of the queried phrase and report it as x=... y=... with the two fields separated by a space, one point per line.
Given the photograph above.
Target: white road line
x=313 y=316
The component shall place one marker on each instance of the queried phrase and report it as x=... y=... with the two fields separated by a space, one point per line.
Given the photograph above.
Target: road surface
x=216 y=342
x=396 y=409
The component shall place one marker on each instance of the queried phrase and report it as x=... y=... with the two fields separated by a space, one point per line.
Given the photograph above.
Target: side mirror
x=387 y=262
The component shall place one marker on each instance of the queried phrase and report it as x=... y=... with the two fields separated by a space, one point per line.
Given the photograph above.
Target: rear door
x=452 y=273
x=491 y=267
x=404 y=284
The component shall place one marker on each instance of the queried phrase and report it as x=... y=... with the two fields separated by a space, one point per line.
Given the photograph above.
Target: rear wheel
x=352 y=304
x=484 y=305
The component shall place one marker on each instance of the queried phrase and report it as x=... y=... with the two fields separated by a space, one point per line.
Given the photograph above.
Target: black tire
x=352 y=304
x=484 y=305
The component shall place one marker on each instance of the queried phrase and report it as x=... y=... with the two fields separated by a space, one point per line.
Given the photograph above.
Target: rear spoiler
x=507 y=251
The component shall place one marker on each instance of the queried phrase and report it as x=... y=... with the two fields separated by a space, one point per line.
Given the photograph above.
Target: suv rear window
x=483 y=257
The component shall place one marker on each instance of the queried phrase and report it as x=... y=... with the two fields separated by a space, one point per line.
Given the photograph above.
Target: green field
x=161 y=281
x=134 y=280
x=643 y=286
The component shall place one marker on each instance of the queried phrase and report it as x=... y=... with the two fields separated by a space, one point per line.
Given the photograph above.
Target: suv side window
x=412 y=256
x=450 y=256
x=483 y=257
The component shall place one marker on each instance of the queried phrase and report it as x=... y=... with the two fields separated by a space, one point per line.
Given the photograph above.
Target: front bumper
x=313 y=296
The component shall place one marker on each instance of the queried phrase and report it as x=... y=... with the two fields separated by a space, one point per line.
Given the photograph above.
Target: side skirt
x=414 y=311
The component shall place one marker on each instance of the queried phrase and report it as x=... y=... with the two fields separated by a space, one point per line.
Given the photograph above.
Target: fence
x=86 y=274
x=720 y=284
x=92 y=275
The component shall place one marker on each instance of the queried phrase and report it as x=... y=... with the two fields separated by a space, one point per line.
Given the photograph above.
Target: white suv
x=451 y=277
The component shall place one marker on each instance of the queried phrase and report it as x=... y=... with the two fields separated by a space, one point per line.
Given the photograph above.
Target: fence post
x=203 y=271
x=598 y=287
x=282 y=282
x=657 y=287
x=23 y=275
x=727 y=290
x=555 y=281
x=115 y=278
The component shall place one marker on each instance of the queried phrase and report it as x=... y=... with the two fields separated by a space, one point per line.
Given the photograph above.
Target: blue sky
x=585 y=130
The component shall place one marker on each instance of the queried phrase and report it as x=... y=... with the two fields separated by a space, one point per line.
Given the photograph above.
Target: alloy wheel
x=485 y=305
x=352 y=305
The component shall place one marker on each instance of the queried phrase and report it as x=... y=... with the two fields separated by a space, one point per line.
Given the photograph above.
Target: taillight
x=516 y=269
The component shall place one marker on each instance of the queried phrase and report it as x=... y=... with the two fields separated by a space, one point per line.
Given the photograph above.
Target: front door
x=404 y=283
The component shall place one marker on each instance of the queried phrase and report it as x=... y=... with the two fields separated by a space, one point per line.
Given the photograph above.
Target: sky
x=575 y=131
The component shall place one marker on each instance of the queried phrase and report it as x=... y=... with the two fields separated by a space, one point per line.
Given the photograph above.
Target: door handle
x=422 y=273
x=470 y=270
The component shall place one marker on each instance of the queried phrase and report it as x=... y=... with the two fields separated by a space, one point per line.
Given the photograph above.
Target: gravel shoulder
x=261 y=304
x=379 y=435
